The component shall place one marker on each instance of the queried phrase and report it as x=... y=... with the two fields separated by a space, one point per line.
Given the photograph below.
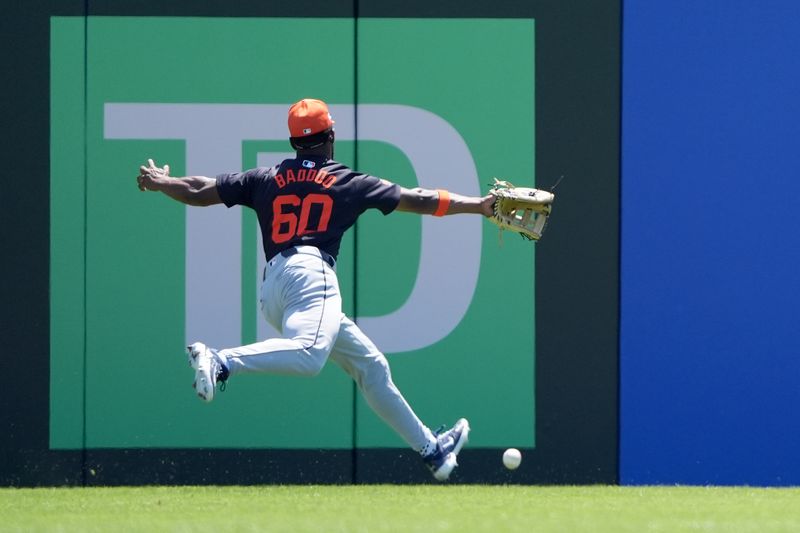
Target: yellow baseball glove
x=521 y=209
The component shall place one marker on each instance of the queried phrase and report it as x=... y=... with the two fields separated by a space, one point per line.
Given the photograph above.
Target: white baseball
x=512 y=458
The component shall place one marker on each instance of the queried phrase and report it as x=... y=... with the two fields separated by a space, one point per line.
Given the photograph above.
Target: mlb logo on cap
x=308 y=117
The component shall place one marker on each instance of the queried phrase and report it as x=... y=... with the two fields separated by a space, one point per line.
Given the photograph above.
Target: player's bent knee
x=375 y=373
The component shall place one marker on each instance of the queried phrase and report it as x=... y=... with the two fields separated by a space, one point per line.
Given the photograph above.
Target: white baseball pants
x=300 y=298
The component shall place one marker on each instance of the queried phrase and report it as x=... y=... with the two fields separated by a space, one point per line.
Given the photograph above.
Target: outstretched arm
x=428 y=202
x=190 y=190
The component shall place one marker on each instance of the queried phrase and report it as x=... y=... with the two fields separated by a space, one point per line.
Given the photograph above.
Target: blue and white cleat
x=443 y=460
x=208 y=370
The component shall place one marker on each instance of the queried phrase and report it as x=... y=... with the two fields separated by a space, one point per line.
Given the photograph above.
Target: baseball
x=512 y=458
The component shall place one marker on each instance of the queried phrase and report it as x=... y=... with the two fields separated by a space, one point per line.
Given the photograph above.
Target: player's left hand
x=487 y=205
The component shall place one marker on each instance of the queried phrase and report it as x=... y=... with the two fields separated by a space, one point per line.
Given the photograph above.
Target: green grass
x=429 y=509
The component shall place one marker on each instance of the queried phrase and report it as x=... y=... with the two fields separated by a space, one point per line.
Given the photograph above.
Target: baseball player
x=304 y=205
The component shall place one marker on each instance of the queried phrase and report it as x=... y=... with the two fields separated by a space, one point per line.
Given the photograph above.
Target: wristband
x=444 y=203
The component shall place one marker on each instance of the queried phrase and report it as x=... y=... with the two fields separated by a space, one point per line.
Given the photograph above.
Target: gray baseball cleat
x=443 y=460
x=208 y=370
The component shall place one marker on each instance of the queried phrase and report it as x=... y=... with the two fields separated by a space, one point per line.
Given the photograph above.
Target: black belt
x=328 y=258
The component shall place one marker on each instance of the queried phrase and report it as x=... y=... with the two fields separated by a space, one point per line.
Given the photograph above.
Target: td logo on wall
x=136 y=276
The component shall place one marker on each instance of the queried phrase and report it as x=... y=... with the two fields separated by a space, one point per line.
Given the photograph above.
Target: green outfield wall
x=144 y=297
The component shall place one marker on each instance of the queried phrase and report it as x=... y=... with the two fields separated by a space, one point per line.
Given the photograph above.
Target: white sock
x=429 y=446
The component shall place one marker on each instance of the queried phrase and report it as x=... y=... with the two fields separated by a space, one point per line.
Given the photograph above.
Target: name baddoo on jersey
x=320 y=177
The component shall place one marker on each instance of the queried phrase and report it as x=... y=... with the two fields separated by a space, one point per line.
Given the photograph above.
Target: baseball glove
x=521 y=209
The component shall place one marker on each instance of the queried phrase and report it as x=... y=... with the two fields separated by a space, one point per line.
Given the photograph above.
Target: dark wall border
x=577 y=131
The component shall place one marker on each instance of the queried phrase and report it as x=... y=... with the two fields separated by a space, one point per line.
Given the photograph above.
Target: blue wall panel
x=710 y=356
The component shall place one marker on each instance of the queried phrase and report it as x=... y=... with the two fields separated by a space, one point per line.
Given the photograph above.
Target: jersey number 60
x=287 y=225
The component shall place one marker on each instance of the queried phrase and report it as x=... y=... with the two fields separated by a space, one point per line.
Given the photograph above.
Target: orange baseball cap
x=309 y=116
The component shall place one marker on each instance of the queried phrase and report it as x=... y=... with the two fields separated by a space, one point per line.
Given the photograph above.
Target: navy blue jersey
x=311 y=200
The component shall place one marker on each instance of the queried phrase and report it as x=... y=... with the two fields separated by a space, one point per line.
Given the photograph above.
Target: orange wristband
x=444 y=203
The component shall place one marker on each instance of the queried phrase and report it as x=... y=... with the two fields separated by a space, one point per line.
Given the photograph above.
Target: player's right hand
x=150 y=175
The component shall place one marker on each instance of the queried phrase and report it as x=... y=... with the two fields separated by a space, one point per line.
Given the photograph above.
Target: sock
x=429 y=446
x=224 y=371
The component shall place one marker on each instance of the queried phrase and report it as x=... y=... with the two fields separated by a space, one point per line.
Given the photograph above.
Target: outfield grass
x=462 y=508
